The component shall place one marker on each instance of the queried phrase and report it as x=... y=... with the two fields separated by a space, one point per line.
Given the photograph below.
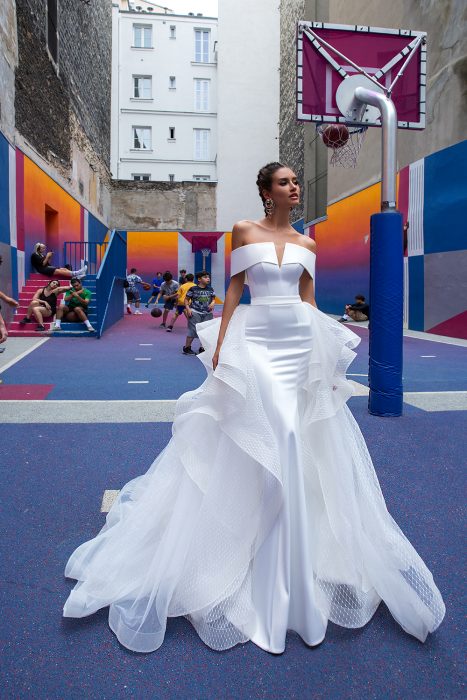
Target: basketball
x=335 y=135
x=156 y=312
x=146 y=286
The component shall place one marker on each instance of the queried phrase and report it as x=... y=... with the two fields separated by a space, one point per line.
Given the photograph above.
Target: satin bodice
x=265 y=276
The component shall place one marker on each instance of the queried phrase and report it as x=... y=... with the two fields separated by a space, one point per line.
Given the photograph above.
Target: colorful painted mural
x=33 y=208
x=432 y=196
x=160 y=251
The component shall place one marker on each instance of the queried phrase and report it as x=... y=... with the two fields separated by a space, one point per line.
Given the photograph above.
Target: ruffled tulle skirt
x=264 y=512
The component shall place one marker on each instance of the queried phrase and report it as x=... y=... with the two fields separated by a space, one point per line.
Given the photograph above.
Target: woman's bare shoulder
x=242 y=233
x=307 y=243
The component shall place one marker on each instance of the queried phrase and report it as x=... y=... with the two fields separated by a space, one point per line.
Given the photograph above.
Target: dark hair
x=190 y=277
x=75 y=279
x=360 y=296
x=133 y=269
x=201 y=274
x=264 y=179
x=168 y=276
x=183 y=270
x=158 y=273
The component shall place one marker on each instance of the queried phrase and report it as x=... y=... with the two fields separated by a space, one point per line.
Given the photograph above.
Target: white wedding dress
x=263 y=514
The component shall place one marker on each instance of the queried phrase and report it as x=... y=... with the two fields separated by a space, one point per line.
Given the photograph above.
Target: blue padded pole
x=386 y=309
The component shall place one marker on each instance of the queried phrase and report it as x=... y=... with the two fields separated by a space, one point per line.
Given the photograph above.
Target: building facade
x=248 y=120
x=164 y=95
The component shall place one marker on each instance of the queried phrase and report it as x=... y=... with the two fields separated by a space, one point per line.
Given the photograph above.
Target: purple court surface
x=54 y=475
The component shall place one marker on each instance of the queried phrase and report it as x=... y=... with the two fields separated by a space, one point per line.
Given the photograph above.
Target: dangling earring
x=269 y=207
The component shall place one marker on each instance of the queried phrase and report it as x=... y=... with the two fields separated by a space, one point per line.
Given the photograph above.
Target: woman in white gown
x=263 y=514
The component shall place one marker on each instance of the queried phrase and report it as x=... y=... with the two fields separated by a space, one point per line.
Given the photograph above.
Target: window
x=171 y=178
x=172 y=133
x=201 y=144
x=142 y=36
x=202 y=45
x=172 y=31
x=201 y=178
x=201 y=95
x=142 y=87
x=142 y=178
x=172 y=82
x=142 y=137
x=52 y=29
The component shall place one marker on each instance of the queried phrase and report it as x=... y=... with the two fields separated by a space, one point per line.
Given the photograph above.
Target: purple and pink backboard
x=380 y=52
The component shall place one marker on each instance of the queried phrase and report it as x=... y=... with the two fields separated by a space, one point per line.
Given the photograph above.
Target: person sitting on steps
x=40 y=260
x=77 y=300
x=44 y=304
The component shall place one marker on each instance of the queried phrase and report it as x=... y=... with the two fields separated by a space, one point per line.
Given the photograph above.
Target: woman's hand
x=215 y=358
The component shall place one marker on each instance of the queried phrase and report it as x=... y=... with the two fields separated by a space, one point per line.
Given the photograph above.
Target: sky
x=182 y=7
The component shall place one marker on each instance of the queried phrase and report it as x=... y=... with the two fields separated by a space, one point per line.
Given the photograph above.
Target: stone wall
x=291 y=133
x=8 y=62
x=63 y=109
x=298 y=144
x=163 y=206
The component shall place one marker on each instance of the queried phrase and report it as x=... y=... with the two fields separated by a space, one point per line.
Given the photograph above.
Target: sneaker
x=40 y=327
x=57 y=328
x=162 y=325
x=188 y=351
x=200 y=350
x=138 y=312
x=128 y=310
x=342 y=320
x=82 y=272
x=91 y=329
x=24 y=321
x=169 y=329
x=147 y=306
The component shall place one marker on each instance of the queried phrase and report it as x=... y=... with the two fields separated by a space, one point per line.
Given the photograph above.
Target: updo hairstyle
x=264 y=179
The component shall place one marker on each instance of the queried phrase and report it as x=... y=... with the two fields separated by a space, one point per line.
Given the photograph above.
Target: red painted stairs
x=15 y=330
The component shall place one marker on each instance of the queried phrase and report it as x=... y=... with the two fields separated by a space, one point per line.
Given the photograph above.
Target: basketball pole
x=386 y=274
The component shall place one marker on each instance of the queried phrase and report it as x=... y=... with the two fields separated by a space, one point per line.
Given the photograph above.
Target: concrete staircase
x=35 y=282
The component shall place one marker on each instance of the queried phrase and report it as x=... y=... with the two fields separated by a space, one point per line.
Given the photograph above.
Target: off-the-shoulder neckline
x=297 y=245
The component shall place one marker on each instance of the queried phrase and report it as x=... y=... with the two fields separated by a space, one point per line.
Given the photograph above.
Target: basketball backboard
x=329 y=55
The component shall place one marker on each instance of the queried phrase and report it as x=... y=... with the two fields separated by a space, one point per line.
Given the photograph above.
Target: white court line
x=23 y=354
x=356 y=375
x=146 y=381
x=145 y=344
x=427 y=355
x=143 y=358
x=108 y=499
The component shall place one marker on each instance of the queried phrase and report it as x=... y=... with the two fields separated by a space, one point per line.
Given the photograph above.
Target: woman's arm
x=8 y=300
x=233 y=294
x=306 y=287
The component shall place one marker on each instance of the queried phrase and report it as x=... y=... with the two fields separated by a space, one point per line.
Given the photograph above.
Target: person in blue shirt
x=156 y=287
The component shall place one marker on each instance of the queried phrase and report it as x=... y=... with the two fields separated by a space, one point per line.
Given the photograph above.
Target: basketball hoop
x=345 y=142
x=206 y=252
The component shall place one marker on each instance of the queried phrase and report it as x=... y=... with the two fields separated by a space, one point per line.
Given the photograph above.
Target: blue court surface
x=55 y=473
